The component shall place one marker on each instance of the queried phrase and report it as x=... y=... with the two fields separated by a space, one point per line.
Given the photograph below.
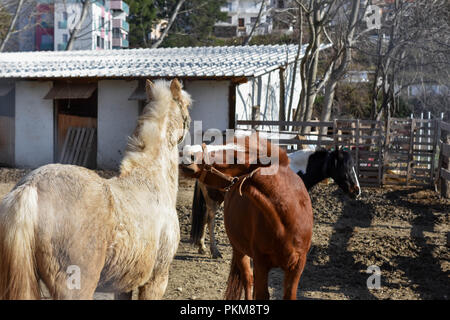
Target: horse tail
x=199 y=214
x=18 y=219
x=235 y=285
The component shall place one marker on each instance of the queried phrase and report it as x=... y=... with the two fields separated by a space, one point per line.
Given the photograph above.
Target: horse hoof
x=216 y=255
x=201 y=251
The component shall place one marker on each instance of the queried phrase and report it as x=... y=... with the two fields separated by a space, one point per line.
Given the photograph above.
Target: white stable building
x=42 y=94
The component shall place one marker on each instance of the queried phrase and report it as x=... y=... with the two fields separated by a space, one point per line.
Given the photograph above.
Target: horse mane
x=152 y=125
x=319 y=154
x=151 y=121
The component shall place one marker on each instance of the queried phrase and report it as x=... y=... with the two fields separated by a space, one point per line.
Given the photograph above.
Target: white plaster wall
x=116 y=120
x=34 y=124
x=264 y=91
x=210 y=104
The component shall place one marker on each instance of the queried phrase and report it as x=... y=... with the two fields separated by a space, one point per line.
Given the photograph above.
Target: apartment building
x=242 y=15
x=47 y=25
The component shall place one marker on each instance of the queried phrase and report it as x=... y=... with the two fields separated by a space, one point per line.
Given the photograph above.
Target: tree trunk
x=78 y=25
x=297 y=58
x=445 y=184
x=11 y=26
x=325 y=115
x=311 y=90
x=282 y=112
x=250 y=36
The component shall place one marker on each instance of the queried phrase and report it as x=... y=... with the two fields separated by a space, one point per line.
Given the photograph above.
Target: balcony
x=119 y=5
x=119 y=43
x=47 y=46
x=229 y=7
x=62 y=46
x=120 y=23
x=62 y=24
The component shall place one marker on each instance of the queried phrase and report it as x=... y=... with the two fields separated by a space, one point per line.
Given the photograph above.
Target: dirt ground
x=405 y=231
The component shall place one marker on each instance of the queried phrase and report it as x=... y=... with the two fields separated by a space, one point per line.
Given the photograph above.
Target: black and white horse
x=315 y=166
x=311 y=166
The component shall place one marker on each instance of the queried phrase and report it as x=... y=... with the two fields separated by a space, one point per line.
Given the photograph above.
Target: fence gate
x=410 y=150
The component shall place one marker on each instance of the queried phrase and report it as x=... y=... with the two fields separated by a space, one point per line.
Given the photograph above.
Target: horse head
x=166 y=101
x=341 y=168
x=221 y=166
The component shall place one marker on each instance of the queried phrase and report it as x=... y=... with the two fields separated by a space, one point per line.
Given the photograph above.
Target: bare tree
x=11 y=24
x=344 y=40
x=318 y=14
x=75 y=32
x=411 y=45
x=255 y=25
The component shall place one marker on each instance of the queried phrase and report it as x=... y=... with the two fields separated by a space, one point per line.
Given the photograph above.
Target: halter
x=207 y=168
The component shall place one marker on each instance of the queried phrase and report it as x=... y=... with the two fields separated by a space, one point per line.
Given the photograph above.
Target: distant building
x=420 y=89
x=242 y=15
x=46 y=25
x=357 y=76
x=120 y=27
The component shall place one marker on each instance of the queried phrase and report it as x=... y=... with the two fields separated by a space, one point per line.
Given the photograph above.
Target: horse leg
x=71 y=279
x=246 y=271
x=62 y=286
x=292 y=278
x=123 y=295
x=212 y=209
x=261 y=274
x=240 y=277
x=201 y=242
x=155 y=288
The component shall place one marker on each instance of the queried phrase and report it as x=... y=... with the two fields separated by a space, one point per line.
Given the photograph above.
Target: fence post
x=410 y=151
x=429 y=146
x=387 y=141
x=380 y=152
x=357 y=147
x=445 y=164
x=437 y=134
x=336 y=140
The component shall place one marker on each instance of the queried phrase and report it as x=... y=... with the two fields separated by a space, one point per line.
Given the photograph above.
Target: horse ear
x=175 y=88
x=148 y=89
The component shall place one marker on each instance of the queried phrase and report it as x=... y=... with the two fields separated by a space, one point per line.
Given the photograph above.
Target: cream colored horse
x=77 y=232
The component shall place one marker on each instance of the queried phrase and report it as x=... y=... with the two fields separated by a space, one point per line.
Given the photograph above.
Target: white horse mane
x=154 y=125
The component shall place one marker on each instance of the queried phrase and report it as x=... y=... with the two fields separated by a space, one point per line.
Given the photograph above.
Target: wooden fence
x=443 y=168
x=410 y=151
x=398 y=151
x=363 y=138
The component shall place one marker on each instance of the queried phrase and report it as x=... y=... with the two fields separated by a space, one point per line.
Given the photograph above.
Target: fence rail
x=363 y=138
x=397 y=151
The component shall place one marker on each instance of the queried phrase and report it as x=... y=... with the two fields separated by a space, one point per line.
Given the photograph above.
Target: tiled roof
x=233 y=61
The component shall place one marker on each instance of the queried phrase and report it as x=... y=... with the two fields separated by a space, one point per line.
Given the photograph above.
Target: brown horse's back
x=277 y=214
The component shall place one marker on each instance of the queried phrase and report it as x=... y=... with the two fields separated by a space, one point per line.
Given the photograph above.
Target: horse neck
x=155 y=161
x=315 y=173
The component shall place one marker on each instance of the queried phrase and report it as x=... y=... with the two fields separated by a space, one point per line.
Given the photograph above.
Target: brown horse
x=268 y=217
